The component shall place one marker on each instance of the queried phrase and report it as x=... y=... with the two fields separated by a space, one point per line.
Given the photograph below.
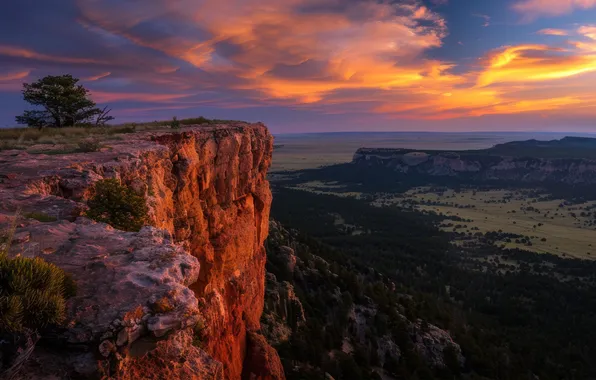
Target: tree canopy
x=64 y=103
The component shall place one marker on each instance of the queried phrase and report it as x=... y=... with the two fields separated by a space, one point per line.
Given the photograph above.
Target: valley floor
x=527 y=219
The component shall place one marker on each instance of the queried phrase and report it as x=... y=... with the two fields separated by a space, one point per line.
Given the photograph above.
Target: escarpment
x=481 y=165
x=181 y=298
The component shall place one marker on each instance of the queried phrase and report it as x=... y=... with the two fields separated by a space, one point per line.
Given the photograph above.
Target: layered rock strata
x=570 y=171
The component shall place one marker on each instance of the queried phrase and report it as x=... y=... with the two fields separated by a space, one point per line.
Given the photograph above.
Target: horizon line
x=436 y=132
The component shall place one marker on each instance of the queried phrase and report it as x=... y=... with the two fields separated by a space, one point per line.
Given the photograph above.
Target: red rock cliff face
x=206 y=187
x=216 y=200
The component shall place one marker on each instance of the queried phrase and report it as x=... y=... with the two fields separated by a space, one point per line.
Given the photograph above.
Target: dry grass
x=563 y=233
x=284 y=159
x=553 y=227
x=7 y=235
x=22 y=138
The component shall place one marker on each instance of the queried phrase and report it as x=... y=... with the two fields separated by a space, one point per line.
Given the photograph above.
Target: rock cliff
x=181 y=298
x=484 y=165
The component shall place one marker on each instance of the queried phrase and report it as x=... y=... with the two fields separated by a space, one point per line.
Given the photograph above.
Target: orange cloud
x=356 y=52
x=13 y=51
x=107 y=97
x=11 y=81
x=317 y=55
x=14 y=76
x=553 y=32
x=535 y=8
x=529 y=63
x=522 y=106
x=98 y=76
x=588 y=31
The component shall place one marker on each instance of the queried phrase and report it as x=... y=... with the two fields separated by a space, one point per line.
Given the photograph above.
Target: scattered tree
x=65 y=103
x=175 y=123
x=103 y=117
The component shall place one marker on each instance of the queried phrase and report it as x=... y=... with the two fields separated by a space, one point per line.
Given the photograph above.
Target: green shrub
x=89 y=145
x=118 y=206
x=132 y=128
x=195 y=120
x=175 y=124
x=40 y=216
x=32 y=293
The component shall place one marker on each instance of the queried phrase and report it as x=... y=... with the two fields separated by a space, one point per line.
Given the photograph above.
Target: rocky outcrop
x=174 y=358
x=387 y=349
x=283 y=311
x=141 y=295
x=432 y=343
x=485 y=165
x=262 y=363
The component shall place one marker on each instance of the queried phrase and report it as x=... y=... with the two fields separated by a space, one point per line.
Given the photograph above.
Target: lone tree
x=65 y=103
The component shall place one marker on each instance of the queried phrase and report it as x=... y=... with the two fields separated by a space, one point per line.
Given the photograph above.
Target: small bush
x=175 y=124
x=40 y=216
x=118 y=206
x=32 y=293
x=132 y=128
x=89 y=145
x=195 y=120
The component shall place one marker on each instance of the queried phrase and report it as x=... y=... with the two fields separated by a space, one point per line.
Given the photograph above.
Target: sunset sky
x=315 y=65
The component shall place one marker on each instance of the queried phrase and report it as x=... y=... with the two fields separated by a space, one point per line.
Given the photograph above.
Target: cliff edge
x=182 y=297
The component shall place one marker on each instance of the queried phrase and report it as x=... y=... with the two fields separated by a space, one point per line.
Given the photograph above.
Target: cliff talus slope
x=179 y=299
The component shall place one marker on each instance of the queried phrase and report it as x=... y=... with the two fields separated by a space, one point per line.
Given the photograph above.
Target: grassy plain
x=552 y=225
x=329 y=188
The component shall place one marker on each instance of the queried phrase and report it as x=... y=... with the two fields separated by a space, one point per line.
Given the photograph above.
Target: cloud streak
x=553 y=32
x=532 y=9
x=13 y=76
x=19 y=52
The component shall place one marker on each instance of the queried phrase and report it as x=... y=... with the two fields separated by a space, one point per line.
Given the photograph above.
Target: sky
x=315 y=65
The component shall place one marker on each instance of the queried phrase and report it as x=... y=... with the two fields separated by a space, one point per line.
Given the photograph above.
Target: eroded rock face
x=209 y=203
x=262 y=363
x=491 y=167
x=431 y=342
x=284 y=312
x=174 y=358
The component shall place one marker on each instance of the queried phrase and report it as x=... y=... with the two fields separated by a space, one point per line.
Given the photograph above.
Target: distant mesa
x=571 y=160
x=569 y=142
x=415 y=158
x=450 y=155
